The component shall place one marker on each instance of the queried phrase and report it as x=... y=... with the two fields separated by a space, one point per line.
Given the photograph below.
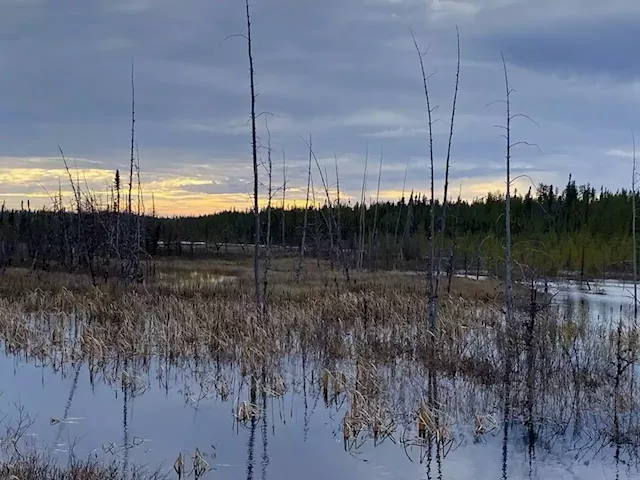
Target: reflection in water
x=252 y=435
x=67 y=407
x=506 y=404
x=265 y=438
x=125 y=429
x=438 y=435
x=555 y=396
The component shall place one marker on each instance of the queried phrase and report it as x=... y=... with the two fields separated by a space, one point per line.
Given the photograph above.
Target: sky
x=344 y=72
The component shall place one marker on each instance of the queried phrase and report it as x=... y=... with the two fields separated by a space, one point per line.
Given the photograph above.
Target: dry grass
x=363 y=340
x=37 y=467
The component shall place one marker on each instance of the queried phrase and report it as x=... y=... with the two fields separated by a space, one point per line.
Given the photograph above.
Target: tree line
x=576 y=228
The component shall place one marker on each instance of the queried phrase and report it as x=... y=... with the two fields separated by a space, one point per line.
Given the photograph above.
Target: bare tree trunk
x=267 y=263
x=328 y=219
x=339 y=246
x=635 y=245
x=140 y=202
x=508 y=300
x=374 y=232
x=132 y=252
x=316 y=224
x=118 y=188
x=306 y=213
x=362 y=210
x=443 y=221
x=133 y=135
x=454 y=246
x=254 y=155
x=508 y=327
x=432 y=223
x=634 y=331
x=395 y=235
x=407 y=226
x=284 y=195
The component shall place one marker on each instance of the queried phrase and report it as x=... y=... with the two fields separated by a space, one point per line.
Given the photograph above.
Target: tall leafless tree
x=306 y=213
x=284 y=196
x=508 y=327
x=133 y=140
x=374 y=232
x=395 y=235
x=507 y=136
x=363 y=211
x=254 y=157
x=267 y=262
x=633 y=221
x=443 y=219
x=432 y=213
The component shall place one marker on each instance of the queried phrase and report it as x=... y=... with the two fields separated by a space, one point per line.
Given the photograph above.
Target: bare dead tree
x=508 y=300
x=81 y=241
x=284 y=195
x=407 y=225
x=454 y=245
x=132 y=253
x=328 y=219
x=339 y=242
x=133 y=139
x=633 y=222
x=139 y=210
x=306 y=213
x=316 y=223
x=374 y=232
x=404 y=184
x=267 y=262
x=363 y=210
x=118 y=188
x=432 y=213
x=633 y=334
x=254 y=155
x=443 y=218
x=507 y=136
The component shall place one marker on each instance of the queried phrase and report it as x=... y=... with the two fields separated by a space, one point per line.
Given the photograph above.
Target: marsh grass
x=359 y=344
x=39 y=467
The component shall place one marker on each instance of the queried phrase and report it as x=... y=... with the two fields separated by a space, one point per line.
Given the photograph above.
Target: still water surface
x=298 y=437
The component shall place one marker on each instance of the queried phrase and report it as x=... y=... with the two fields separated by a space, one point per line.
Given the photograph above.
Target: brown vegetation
x=362 y=341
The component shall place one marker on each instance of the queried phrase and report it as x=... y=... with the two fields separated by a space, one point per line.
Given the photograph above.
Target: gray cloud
x=344 y=71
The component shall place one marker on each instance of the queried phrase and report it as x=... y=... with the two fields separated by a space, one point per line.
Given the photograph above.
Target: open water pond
x=169 y=411
x=303 y=420
x=604 y=301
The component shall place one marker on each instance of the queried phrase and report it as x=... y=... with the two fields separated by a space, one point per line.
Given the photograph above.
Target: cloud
x=343 y=71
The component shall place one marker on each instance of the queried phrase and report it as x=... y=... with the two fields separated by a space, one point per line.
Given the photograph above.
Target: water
x=602 y=301
x=168 y=410
x=299 y=437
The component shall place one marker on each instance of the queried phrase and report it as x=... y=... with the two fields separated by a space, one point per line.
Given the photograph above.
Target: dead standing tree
x=306 y=214
x=284 y=197
x=328 y=216
x=510 y=329
x=508 y=301
x=432 y=215
x=363 y=210
x=509 y=181
x=373 y=235
x=443 y=220
x=435 y=259
x=633 y=223
x=132 y=269
x=254 y=158
x=270 y=193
